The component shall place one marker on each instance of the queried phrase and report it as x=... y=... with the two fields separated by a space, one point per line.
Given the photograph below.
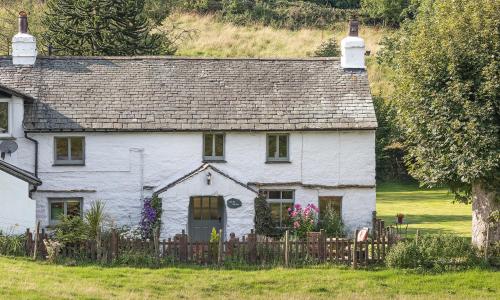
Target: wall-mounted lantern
x=209 y=178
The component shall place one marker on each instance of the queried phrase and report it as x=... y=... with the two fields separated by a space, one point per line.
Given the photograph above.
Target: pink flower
x=296 y=224
x=297 y=206
x=294 y=214
x=289 y=209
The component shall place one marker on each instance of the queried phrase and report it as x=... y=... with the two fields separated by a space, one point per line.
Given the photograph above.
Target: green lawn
x=22 y=279
x=429 y=210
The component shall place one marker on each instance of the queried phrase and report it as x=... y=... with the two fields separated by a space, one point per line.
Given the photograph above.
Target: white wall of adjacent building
x=17 y=209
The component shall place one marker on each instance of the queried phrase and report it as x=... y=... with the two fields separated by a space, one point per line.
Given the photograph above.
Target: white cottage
x=205 y=135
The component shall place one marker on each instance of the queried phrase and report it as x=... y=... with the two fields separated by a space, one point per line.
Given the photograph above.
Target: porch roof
x=196 y=171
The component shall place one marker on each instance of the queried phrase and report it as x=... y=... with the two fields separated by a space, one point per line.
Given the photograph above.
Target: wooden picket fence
x=252 y=249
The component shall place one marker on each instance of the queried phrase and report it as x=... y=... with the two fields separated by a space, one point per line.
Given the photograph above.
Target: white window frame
x=276 y=157
x=65 y=201
x=69 y=162
x=9 y=117
x=281 y=201
x=213 y=158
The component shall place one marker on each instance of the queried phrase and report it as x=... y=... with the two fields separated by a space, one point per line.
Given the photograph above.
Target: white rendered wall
x=118 y=165
x=17 y=210
x=175 y=202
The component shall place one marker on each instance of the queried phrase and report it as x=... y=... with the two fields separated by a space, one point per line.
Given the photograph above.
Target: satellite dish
x=7 y=147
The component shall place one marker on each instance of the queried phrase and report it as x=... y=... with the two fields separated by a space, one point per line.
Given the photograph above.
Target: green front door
x=205 y=213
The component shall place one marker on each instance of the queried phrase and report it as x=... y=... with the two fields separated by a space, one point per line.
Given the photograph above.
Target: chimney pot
x=23 y=22
x=353 y=27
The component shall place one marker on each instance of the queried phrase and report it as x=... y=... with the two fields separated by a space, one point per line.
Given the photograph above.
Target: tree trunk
x=483 y=204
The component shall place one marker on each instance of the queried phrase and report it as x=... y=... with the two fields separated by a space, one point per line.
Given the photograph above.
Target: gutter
x=36 y=158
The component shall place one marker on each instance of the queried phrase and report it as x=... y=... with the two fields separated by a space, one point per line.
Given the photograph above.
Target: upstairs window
x=213 y=146
x=277 y=147
x=64 y=207
x=5 y=116
x=69 y=151
x=279 y=202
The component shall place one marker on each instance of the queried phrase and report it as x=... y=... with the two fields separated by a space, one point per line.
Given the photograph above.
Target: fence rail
x=253 y=249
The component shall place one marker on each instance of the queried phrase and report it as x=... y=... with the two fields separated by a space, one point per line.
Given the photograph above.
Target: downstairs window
x=280 y=201
x=64 y=207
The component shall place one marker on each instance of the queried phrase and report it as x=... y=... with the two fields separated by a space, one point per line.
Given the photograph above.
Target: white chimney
x=353 y=49
x=23 y=44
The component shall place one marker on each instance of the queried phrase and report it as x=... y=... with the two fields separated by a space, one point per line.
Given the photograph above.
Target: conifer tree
x=101 y=27
x=263 y=220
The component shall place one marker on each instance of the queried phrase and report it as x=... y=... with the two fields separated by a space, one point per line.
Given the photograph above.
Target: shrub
x=303 y=220
x=151 y=216
x=436 y=252
x=283 y=14
x=53 y=248
x=328 y=48
x=332 y=223
x=214 y=244
x=263 y=220
x=12 y=244
x=71 y=230
x=95 y=218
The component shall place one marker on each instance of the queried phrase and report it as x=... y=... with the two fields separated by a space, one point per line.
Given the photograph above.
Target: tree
x=328 y=48
x=389 y=12
x=102 y=27
x=446 y=78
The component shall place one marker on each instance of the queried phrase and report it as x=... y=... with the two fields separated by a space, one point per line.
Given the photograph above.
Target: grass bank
x=217 y=39
x=22 y=279
x=429 y=210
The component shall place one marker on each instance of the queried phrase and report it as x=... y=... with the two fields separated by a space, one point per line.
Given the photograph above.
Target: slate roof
x=196 y=171
x=19 y=173
x=172 y=93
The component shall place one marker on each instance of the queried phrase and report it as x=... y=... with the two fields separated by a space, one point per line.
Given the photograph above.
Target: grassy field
x=429 y=210
x=22 y=279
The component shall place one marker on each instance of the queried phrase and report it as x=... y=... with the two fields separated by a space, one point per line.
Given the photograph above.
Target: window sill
x=278 y=162
x=6 y=137
x=68 y=164
x=214 y=161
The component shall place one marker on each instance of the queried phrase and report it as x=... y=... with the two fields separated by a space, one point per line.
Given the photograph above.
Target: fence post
x=374 y=223
x=98 y=243
x=183 y=246
x=286 y=248
x=355 y=250
x=114 y=244
x=322 y=245
x=252 y=246
x=383 y=239
x=221 y=247
x=487 y=244
x=157 y=243
x=27 y=243
x=37 y=232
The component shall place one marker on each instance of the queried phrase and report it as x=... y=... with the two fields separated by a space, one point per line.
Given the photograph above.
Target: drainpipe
x=36 y=158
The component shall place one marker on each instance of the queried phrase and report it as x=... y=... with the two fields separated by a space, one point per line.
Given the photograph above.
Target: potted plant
x=400 y=218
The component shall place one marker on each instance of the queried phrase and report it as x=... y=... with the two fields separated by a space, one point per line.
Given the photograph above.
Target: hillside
x=210 y=38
